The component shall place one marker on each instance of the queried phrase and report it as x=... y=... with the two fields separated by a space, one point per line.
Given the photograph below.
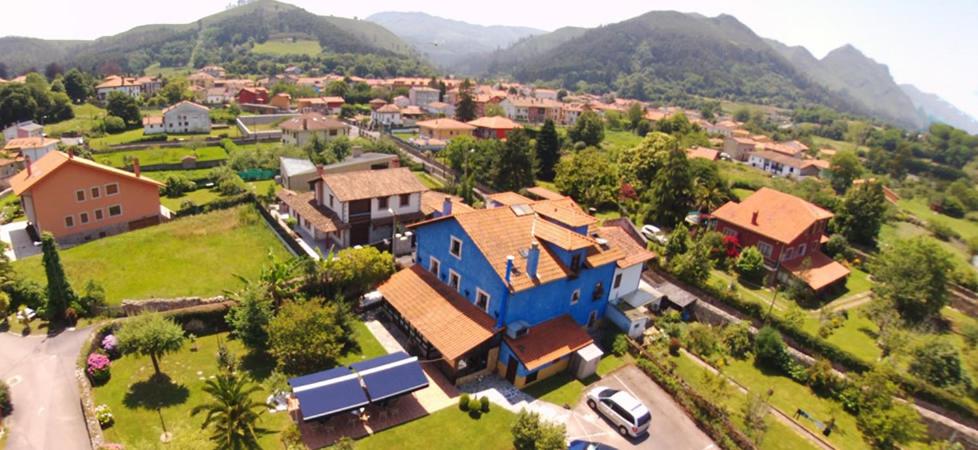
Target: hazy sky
x=933 y=45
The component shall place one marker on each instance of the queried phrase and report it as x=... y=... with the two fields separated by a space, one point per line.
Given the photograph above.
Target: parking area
x=670 y=428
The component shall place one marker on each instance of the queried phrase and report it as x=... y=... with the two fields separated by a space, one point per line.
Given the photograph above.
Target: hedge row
x=820 y=347
x=708 y=417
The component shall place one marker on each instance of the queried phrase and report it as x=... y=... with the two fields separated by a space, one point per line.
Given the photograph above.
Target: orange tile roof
x=29 y=142
x=432 y=201
x=152 y=120
x=634 y=251
x=389 y=108
x=495 y=123
x=363 y=184
x=565 y=211
x=560 y=236
x=509 y=198
x=53 y=161
x=445 y=124
x=452 y=324
x=703 y=152
x=822 y=272
x=544 y=193
x=548 y=341
x=185 y=102
x=312 y=122
x=305 y=205
x=782 y=217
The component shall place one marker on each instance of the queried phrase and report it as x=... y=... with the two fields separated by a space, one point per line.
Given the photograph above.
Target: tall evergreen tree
x=671 y=193
x=60 y=294
x=515 y=165
x=548 y=150
x=466 y=104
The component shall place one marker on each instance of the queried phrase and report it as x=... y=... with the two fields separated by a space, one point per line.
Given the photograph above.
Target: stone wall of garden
x=133 y=307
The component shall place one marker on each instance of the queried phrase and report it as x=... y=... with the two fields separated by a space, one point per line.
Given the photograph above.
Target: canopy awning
x=344 y=389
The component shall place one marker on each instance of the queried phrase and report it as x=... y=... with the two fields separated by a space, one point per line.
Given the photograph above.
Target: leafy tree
x=769 y=349
x=640 y=164
x=588 y=129
x=755 y=412
x=515 y=164
x=913 y=274
x=548 y=150
x=738 y=339
x=177 y=184
x=175 y=91
x=670 y=196
x=885 y=422
x=113 y=124
x=249 y=318
x=741 y=115
x=750 y=264
x=78 y=86
x=465 y=110
x=150 y=335
x=861 y=214
x=354 y=271
x=125 y=107
x=494 y=110
x=693 y=266
x=60 y=293
x=589 y=176
x=844 y=168
x=232 y=414
x=938 y=362
x=305 y=337
x=532 y=433
x=678 y=242
x=6 y=404
x=635 y=114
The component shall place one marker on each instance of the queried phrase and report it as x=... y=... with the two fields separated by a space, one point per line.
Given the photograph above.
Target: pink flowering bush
x=98 y=368
x=110 y=344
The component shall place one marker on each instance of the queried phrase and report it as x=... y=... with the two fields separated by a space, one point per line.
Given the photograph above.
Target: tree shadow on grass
x=258 y=363
x=157 y=392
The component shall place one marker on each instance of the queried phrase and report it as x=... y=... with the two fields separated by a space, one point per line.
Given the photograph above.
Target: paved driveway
x=670 y=429
x=41 y=373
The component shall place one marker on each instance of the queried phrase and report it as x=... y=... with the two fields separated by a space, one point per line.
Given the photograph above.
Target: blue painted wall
x=534 y=305
x=505 y=353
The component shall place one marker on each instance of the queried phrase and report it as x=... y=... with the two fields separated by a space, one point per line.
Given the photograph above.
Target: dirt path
x=850 y=302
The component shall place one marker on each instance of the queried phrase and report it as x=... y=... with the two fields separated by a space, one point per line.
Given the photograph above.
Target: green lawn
x=133 y=395
x=162 y=155
x=200 y=197
x=86 y=116
x=198 y=255
x=428 y=181
x=752 y=176
x=125 y=137
x=282 y=48
x=821 y=142
x=620 y=139
x=564 y=389
x=448 y=429
x=778 y=436
x=742 y=193
x=166 y=72
x=193 y=174
x=406 y=135
x=894 y=230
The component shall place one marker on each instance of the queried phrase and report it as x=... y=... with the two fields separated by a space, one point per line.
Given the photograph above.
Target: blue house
x=514 y=289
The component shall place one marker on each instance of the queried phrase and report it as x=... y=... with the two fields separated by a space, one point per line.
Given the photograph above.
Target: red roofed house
x=78 y=200
x=493 y=127
x=253 y=95
x=788 y=232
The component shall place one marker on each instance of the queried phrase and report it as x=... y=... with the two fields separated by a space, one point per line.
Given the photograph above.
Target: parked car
x=588 y=445
x=654 y=233
x=629 y=415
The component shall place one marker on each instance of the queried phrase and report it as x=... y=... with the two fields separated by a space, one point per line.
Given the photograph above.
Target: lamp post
x=393 y=228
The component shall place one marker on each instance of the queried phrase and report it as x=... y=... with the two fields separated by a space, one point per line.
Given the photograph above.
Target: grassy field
x=86 y=116
x=778 y=437
x=198 y=255
x=125 y=137
x=564 y=389
x=203 y=196
x=822 y=142
x=166 y=72
x=620 y=139
x=428 y=181
x=162 y=155
x=448 y=429
x=283 y=48
x=892 y=231
x=193 y=174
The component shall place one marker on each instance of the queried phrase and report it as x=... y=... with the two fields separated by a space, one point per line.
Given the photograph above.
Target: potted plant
x=98 y=368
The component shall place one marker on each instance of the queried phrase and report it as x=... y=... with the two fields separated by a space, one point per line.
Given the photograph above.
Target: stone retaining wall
x=133 y=307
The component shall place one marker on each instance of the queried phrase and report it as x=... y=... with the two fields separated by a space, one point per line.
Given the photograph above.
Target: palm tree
x=233 y=414
x=276 y=279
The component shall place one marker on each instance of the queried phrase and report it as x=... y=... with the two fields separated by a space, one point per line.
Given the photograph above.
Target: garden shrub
x=738 y=339
x=942 y=230
x=475 y=407
x=674 y=346
x=484 y=407
x=750 y=264
x=6 y=404
x=769 y=349
x=620 y=345
x=701 y=339
x=113 y=124
x=211 y=317
x=938 y=362
x=463 y=402
x=104 y=416
x=97 y=368
x=970 y=334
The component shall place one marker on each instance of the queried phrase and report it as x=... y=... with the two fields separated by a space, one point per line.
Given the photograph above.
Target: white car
x=654 y=233
x=629 y=415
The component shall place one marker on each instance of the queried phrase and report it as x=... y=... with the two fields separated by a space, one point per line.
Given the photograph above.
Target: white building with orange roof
x=31 y=147
x=444 y=129
x=130 y=86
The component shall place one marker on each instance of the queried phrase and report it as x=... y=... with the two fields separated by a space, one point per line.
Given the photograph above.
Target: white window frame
x=802 y=249
x=458 y=276
x=84 y=196
x=761 y=245
x=109 y=210
x=787 y=253
x=451 y=244
x=107 y=194
x=478 y=292
x=575 y=297
x=434 y=265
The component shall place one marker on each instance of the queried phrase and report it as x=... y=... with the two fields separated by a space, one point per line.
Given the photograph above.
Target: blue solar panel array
x=339 y=390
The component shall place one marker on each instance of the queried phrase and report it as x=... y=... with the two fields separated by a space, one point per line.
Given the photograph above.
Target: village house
x=513 y=290
x=130 y=86
x=782 y=165
x=23 y=130
x=300 y=130
x=355 y=208
x=297 y=173
x=440 y=109
x=421 y=96
x=493 y=127
x=789 y=233
x=182 y=118
x=252 y=95
x=723 y=128
x=377 y=103
x=444 y=129
x=201 y=79
x=569 y=113
x=401 y=101
x=386 y=116
x=322 y=105
x=31 y=147
x=531 y=110
x=703 y=153
x=738 y=147
x=411 y=115
x=545 y=94
x=78 y=200
x=282 y=101
x=214 y=71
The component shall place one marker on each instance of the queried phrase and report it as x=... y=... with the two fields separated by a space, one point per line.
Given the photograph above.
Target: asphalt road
x=671 y=429
x=40 y=371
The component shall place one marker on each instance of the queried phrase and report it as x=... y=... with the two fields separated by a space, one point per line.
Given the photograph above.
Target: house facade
x=739 y=148
x=444 y=129
x=23 y=130
x=782 y=165
x=386 y=116
x=516 y=290
x=788 y=231
x=422 y=96
x=130 y=86
x=78 y=200
x=33 y=148
x=252 y=95
x=361 y=207
x=493 y=127
x=187 y=117
x=300 y=130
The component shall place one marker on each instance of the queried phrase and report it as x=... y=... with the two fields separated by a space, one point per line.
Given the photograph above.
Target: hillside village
x=302 y=257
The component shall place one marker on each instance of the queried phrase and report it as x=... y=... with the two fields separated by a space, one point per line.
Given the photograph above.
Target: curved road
x=40 y=370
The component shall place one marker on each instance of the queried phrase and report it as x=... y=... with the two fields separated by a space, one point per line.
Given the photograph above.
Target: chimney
x=27 y=162
x=446 y=206
x=319 y=170
x=395 y=163
x=135 y=166
x=305 y=124
x=533 y=259
x=71 y=152
x=753 y=218
x=509 y=267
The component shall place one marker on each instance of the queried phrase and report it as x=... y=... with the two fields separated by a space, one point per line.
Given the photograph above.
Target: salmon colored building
x=78 y=200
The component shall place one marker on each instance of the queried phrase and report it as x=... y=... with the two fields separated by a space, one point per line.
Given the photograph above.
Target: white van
x=629 y=415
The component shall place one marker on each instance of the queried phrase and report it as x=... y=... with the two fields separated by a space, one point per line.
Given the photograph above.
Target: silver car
x=629 y=415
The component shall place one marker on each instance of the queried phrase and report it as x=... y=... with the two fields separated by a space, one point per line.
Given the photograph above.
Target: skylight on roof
x=521 y=210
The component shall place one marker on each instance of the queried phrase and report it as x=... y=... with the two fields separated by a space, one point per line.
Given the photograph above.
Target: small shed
x=584 y=363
